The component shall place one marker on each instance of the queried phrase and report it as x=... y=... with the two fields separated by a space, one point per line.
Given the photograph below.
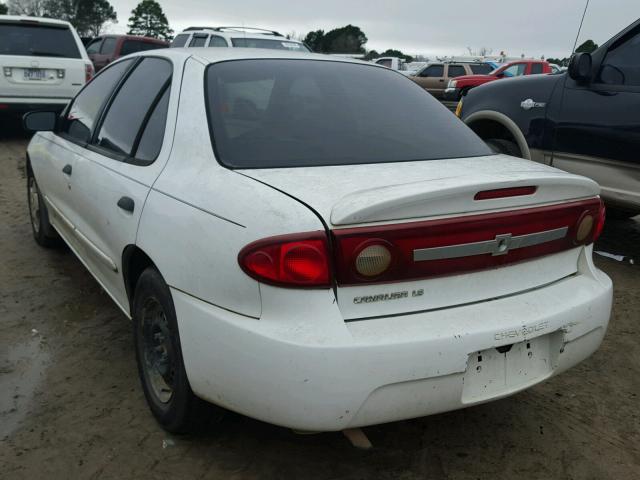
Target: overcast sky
x=535 y=28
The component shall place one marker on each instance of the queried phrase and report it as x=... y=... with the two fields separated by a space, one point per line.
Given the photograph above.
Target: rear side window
x=37 y=41
x=536 y=68
x=433 y=71
x=198 y=41
x=456 y=71
x=131 y=106
x=294 y=113
x=481 y=68
x=217 y=41
x=384 y=62
x=180 y=40
x=86 y=107
x=153 y=135
x=269 y=44
x=108 y=46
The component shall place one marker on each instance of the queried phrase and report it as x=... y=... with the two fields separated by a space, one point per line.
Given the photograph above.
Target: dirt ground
x=71 y=405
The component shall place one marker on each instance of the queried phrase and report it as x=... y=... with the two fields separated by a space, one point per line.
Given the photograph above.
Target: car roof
x=131 y=37
x=32 y=20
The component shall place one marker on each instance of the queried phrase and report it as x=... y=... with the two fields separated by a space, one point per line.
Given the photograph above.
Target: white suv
x=43 y=62
x=243 y=37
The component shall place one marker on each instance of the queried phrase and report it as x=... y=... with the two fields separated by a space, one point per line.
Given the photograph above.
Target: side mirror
x=580 y=67
x=40 y=121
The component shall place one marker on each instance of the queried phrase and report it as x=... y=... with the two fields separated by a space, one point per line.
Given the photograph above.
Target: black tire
x=159 y=357
x=500 y=145
x=43 y=232
x=615 y=213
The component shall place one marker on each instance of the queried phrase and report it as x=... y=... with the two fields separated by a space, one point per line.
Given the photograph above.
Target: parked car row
x=45 y=63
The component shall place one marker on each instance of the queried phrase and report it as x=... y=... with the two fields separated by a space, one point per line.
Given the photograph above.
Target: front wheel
x=159 y=357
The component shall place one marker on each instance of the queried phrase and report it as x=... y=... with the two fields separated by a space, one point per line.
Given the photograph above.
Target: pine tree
x=148 y=19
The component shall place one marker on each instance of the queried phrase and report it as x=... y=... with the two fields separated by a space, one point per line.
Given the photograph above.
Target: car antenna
x=580 y=27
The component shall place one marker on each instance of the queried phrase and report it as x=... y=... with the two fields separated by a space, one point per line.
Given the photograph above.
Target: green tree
x=149 y=20
x=588 y=46
x=3 y=9
x=87 y=16
x=348 y=39
x=314 y=40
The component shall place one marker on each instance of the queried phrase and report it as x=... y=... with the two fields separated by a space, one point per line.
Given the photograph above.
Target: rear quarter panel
x=199 y=215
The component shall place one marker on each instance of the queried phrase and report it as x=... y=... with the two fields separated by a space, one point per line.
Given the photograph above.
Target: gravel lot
x=71 y=405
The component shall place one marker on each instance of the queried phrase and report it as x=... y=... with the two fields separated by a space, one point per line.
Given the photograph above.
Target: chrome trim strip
x=501 y=245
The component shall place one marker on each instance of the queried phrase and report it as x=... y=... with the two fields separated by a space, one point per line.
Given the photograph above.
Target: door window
x=621 y=65
x=217 y=41
x=83 y=113
x=198 y=41
x=456 y=71
x=108 y=46
x=433 y=71
x=94 y=47
x=515 y=70
x=131 y=106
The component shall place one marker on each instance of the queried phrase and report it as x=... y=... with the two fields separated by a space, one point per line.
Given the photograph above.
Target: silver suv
x=236 y=37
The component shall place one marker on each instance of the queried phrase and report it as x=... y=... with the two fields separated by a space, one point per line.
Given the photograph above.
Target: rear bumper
x=297 y=371
x=19 y=105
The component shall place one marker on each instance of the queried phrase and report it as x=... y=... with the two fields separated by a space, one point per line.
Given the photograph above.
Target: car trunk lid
x=429 y=212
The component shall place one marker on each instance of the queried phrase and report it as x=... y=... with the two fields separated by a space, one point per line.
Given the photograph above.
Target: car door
x=114 y=173
x=598 y=127
x=431 y=78
x=68 y=142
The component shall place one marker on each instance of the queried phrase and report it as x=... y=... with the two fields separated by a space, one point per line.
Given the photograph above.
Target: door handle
x=441 y=80
x=127 y=204
x=67 y=169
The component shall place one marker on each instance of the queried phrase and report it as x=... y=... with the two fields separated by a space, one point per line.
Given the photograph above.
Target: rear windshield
x=269 y=44
x=481 y=68
x=37 y=40
x=180 y=40
x=294 y=113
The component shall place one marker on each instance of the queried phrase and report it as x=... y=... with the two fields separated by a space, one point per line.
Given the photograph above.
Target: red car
x=106 y=48
x=459 y=86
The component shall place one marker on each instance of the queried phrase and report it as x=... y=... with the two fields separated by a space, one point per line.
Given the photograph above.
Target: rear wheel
x=159 y=356
x=43 y=232
x=500 y=145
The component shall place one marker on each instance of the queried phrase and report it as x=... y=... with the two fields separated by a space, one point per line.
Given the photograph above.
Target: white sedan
x=314 y=242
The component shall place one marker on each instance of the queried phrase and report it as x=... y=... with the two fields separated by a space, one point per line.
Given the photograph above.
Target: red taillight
x=88 y=72
x=300 y=260
x=505 y=193
x=463 y=244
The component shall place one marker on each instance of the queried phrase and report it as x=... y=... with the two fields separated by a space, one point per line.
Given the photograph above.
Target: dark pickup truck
x=585 y=121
